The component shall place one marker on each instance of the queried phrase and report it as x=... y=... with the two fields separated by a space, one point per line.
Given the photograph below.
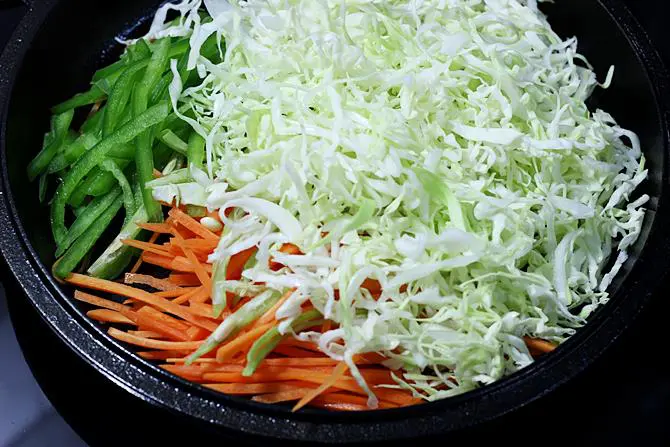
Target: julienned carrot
x=145 y=334
x=153 y=344
x=174 y=293
x=241 y=343
x=108 y=316
x=140 y=295
x=270 y=314
x=154 y=237
x=151 y=312
x=184 y=279
x=197 y=244
x=146 y=247
x=199 y=269
x=237 y=262
x=148 y=280
x=338 y=372
x=160 y=355
x=170 y=262
x=539 y=345
x=162 y=228
x=292 y=351
x=283 y=396
x=97 y=301
x=192 y=224
x=146 y=321
x=256 y=388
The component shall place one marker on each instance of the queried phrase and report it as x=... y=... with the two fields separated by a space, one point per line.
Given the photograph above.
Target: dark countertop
x=623 y=399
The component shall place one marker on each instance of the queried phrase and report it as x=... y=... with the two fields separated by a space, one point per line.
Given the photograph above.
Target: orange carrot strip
x=140 y=295
x=237 y=262
x=153 y=344
x=542 y=346
x=270 y=314
x=148 y=280
x=146 y=247
x=338 y=372
x=138 y=263
x=241 y=342
x=197 y=244
x=146 y=334
x=164 y=318
x=199 y=269
x=197 y=333
x=181 y=299
x=99 y=302
x=204 y=310
x=201 y=296
x=184 y=279
x=149 y=322
x=290 y=341
x=192 y=225
x=282 y=396
x=170 y=262
x=174 y=293
x=160 y=355
x=162 y=228
x=255 y=388
x=108 y=316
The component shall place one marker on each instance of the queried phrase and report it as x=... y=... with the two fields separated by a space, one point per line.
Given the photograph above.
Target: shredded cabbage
x=445 y=147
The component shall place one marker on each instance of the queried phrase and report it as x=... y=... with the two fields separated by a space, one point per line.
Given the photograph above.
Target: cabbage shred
x=444 y=146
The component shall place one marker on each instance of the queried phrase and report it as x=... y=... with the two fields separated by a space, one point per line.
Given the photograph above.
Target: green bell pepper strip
x=60 y=125
x=128 y=199
x=65 y=265
x=269 y=341
x=42 y=188
x=92 y=96
x=118 y=99
x=196 y=150
x=116 y=257
x=95 y=156
x=87 y=217
x=144 y=157
x=173 y=141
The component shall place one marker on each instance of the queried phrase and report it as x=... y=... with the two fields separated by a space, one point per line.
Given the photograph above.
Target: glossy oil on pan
x=53 y=53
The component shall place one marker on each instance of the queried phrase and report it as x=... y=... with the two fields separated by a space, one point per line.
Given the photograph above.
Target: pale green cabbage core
x=446 y=148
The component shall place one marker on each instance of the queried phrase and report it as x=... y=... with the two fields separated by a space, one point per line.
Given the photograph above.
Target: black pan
x=52 y=55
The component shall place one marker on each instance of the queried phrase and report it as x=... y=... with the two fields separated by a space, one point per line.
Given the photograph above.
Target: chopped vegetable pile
x=414 y=191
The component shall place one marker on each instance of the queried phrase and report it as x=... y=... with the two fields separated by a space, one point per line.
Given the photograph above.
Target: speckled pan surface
x=58 y=49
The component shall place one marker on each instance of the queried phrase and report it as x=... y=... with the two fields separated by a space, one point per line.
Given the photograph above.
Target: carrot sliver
x=237 y=262
x=140 y=295
x=153 y=344
x=148 y=280
x=338 y=372
x=201 y=296
x=147 y=322
x=270 y=314
x=539 y=345
x=256 y=388
x=146 y=247
x=108 y=316
x=184 y=279
x=293 y=352
x=181 y=299
x=161 y=228
x=146 y=334
x=171 y=262
x=154 y=314
x=174 y=293
x=161 y=355
x=242 y=342
x=197 y=333
x=99 y=302
x=200 y=271
x=283 y=396
x=192 y=225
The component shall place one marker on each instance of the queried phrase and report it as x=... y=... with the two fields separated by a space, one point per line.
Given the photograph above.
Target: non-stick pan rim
x=40 y=288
